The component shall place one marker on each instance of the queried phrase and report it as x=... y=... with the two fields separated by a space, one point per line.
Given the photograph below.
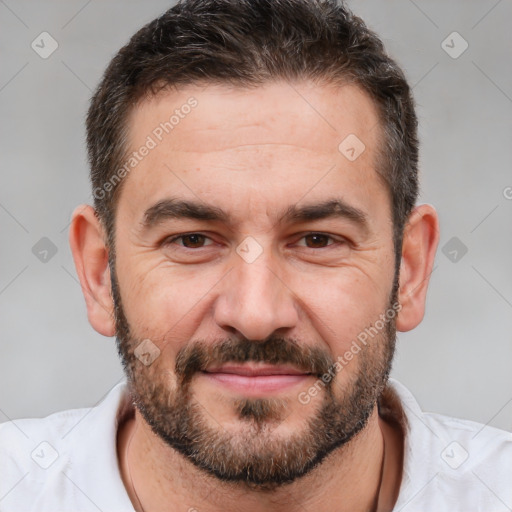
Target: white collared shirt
x=67 y=462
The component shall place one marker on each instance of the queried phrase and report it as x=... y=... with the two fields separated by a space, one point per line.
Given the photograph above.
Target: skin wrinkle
x=293 y=304
x=188 y=433
x=260 y=136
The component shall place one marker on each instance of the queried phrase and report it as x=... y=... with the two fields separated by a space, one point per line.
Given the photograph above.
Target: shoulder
x=55 y=463
x=479 y=441
x=450 y=463
x=29 y=440
x=32 y=452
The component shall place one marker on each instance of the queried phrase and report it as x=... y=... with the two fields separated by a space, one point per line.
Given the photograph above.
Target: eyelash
x=178 y=237
x=333 y=240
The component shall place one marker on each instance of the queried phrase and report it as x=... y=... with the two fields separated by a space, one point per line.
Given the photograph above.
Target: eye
x=317 y=240
x=190 y=241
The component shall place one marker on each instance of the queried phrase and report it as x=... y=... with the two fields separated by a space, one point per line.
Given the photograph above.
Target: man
x=254 y=246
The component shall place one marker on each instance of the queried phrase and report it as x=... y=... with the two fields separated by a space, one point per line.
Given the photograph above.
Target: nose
x=255 y=301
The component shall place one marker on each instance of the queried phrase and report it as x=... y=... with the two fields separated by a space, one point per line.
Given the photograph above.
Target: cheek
x=166 y=302
x=341 y=306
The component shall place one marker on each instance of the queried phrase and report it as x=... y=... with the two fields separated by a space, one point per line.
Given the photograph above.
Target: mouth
x=255 y=380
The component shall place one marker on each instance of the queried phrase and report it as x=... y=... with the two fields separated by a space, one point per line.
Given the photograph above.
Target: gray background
x=457 y=362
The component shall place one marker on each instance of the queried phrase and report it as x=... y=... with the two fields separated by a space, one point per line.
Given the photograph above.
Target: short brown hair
x=247 y=43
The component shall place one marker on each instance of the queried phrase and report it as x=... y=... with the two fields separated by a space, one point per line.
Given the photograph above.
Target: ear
x=421 y=236
x=87 y=241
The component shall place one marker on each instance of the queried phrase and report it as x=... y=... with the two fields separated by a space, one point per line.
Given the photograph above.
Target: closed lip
x=255 y=370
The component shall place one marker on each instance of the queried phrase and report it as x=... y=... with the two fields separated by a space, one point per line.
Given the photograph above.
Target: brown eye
x=317 y=240
x=192 y=241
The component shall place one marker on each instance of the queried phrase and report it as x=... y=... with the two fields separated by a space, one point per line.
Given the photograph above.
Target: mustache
x=199 y=356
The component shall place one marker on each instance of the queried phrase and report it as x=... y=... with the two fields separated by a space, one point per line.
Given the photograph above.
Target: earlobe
x=421 y=236
x=87 y=241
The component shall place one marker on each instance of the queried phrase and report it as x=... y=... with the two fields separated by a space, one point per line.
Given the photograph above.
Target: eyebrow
x=180 y=209
x=334 y=208
x=173 y=208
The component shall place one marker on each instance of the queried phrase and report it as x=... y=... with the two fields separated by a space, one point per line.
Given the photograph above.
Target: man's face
x=248 y=243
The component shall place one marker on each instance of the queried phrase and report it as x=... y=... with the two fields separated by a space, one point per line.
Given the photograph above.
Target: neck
x=354 y=477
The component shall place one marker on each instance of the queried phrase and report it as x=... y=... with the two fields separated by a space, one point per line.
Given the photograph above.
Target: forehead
x=278 y=140
x=321 y=115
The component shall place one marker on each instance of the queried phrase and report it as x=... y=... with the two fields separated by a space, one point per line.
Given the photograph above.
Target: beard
x=255 y=454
